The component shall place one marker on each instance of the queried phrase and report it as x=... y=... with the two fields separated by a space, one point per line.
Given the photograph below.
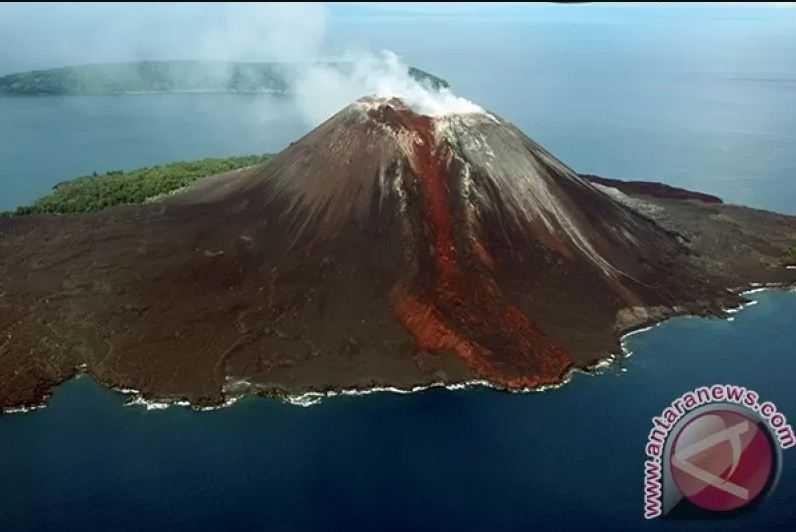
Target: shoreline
x=312 y=398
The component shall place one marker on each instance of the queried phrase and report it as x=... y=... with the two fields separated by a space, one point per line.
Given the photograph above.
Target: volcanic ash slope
x=384 y=248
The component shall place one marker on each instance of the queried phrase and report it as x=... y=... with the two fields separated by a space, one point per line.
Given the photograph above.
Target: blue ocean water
x=697 y=101
x=46 y=140
x=734 y=138
x=439 y=460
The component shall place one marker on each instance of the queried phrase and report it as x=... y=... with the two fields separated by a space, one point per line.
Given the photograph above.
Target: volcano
x=384 y=248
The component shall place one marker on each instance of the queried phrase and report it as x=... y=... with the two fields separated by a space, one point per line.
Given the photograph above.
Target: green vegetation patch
x=793 y=252
x=97 y=192
x=173 y=76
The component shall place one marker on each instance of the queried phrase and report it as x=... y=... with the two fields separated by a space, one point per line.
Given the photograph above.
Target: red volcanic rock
x=383 y=248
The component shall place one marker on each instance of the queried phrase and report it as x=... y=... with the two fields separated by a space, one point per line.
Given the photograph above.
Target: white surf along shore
x=235 y=390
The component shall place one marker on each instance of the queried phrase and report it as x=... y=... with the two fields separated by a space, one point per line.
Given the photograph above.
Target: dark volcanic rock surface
x=651 y=188
x=384 y=248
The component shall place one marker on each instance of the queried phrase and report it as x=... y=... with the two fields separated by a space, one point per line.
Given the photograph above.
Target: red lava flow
x=466 y=312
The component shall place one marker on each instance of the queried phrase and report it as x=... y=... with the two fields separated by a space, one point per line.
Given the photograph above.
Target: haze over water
x=700 y=97
x=696 y=96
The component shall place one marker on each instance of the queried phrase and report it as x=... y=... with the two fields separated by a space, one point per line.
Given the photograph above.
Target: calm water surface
x=567 y=459
x=663 y=100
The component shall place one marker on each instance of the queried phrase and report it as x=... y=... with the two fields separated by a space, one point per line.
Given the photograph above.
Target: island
x=116 y=187
x=385 y=249
x=148 y=77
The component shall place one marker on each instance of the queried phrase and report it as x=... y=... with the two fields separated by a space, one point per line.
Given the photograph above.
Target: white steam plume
x=321 y=90
x=292 y=33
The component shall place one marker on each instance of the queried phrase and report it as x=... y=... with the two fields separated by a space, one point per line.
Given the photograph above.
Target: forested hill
x=170 y=76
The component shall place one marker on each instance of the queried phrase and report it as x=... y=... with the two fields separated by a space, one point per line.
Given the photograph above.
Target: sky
x=690 y=92
x=36 y=36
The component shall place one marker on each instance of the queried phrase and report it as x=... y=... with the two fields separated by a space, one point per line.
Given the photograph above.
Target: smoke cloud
x=299 y=34
x=322 y=90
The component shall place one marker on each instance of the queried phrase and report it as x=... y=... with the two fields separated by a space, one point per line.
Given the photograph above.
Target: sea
x=613 y=99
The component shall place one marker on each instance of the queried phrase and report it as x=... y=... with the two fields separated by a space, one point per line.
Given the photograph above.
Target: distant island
x=144 y=77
